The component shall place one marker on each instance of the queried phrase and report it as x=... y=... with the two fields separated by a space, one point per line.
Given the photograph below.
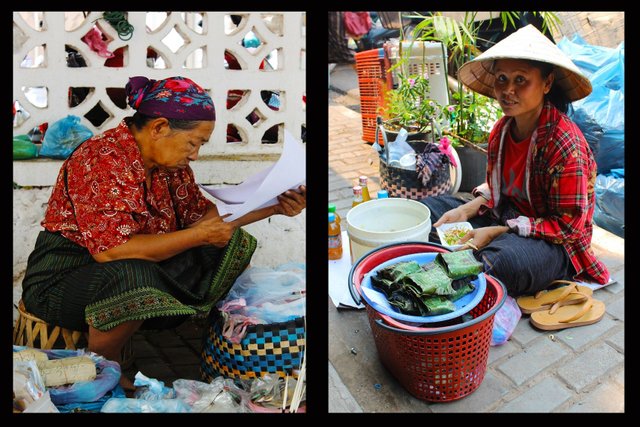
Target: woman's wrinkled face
x=519 y=86
x=181 y=146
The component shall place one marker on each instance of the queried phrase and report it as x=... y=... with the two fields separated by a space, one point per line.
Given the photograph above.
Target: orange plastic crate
x=374 y=80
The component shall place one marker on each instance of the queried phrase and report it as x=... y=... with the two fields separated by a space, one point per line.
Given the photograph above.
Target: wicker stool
x=34 y=332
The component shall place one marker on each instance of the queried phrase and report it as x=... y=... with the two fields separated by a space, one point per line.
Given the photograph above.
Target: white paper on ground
x=596 y=286
x=339 y=278
x=261 y=189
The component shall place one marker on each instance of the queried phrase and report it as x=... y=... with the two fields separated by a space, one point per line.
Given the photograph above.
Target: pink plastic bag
x=93 y=39
x=505 y=321
x=357 y=24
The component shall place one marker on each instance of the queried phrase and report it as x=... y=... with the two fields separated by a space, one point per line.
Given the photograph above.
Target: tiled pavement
x=574 y=370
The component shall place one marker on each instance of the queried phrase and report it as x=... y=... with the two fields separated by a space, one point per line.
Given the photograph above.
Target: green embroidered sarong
x=66 y=287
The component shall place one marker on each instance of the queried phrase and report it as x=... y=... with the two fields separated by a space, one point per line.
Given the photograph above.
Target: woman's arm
x=158 y=247
x=290 y=203
x=462 y=212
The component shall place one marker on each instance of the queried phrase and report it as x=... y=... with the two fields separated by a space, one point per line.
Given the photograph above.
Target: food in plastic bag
x=68 y=370
x=505 y=321
x=63 y=137
x=108 y=376
x=30 y=354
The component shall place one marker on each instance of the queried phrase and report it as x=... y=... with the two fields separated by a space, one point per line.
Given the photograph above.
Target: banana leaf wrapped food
x=408 y=302
x=459 y=264
x=429 y=289
x=396 y=272
x=462 y=287
x=431 y=279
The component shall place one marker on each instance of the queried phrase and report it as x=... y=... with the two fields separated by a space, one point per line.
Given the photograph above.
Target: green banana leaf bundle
x=459 y=264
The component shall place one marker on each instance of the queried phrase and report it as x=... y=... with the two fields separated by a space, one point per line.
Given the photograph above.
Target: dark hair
x=139 y=120
x=557 y=96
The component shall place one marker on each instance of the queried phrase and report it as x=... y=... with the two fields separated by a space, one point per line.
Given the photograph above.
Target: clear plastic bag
x=268 y=295
x=63 y=137
x=151 y=389
x=399 y=149
x=144 y=406
x=505 y=321
x=221 y=395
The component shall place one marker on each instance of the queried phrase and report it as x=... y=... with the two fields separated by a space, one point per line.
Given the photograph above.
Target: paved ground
x=575 y=370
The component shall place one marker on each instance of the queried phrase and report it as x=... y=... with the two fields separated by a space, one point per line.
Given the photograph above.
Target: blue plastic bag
x=609 y=210
x=505 y=321
x=63 y=136
x=600 y=115
x=108 y=377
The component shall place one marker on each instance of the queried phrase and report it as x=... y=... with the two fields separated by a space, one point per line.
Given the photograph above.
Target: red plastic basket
x=437 y=364
x=374 y=80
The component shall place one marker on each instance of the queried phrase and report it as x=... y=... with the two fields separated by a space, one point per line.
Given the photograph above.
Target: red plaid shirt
x=560 y=177
x=100 y=198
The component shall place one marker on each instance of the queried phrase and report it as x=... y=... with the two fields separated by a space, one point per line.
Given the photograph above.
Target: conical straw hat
x=526 y=43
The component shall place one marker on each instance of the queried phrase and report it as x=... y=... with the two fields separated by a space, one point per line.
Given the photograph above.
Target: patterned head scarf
x=174 y=98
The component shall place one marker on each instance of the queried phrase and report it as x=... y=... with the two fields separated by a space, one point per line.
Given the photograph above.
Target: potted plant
x=409 y=107
x=471 y=116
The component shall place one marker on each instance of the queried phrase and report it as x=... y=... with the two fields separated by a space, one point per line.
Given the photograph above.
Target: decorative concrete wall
x=252 y=64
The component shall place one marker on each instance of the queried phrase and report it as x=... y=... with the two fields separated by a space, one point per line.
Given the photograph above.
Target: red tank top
x=513 y=173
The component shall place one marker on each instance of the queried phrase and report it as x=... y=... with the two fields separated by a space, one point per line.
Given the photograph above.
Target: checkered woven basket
x=405 y=183
x=276 y=348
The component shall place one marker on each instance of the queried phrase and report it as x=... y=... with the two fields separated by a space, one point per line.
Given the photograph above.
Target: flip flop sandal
x=563 y=315
x=543 y=300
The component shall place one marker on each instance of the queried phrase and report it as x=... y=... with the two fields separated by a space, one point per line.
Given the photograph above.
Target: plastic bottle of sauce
x=335 y=238
x=332 y=209
x=383 y=194
x=357 y=196
x=365 y=190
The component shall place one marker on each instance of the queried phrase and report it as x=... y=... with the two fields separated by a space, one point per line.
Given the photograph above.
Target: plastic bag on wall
x=23 y=148
x=63 y=137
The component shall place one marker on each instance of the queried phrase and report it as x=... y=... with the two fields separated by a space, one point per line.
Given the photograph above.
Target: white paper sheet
x=260 y=190
x=339 y=278
x=596 y=286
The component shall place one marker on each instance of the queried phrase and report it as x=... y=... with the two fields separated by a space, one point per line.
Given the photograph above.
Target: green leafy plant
x=471 y=115
x=409 y=107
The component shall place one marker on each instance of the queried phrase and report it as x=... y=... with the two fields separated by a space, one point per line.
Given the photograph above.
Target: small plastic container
x=445 y=229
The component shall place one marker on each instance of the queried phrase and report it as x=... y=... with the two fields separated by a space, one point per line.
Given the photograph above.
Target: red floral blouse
x=100 y=198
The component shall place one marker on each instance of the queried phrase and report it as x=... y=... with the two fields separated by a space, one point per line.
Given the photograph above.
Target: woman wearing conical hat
x=533 y=216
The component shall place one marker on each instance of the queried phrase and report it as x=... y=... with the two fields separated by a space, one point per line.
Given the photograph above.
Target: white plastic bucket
x=380 y=222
